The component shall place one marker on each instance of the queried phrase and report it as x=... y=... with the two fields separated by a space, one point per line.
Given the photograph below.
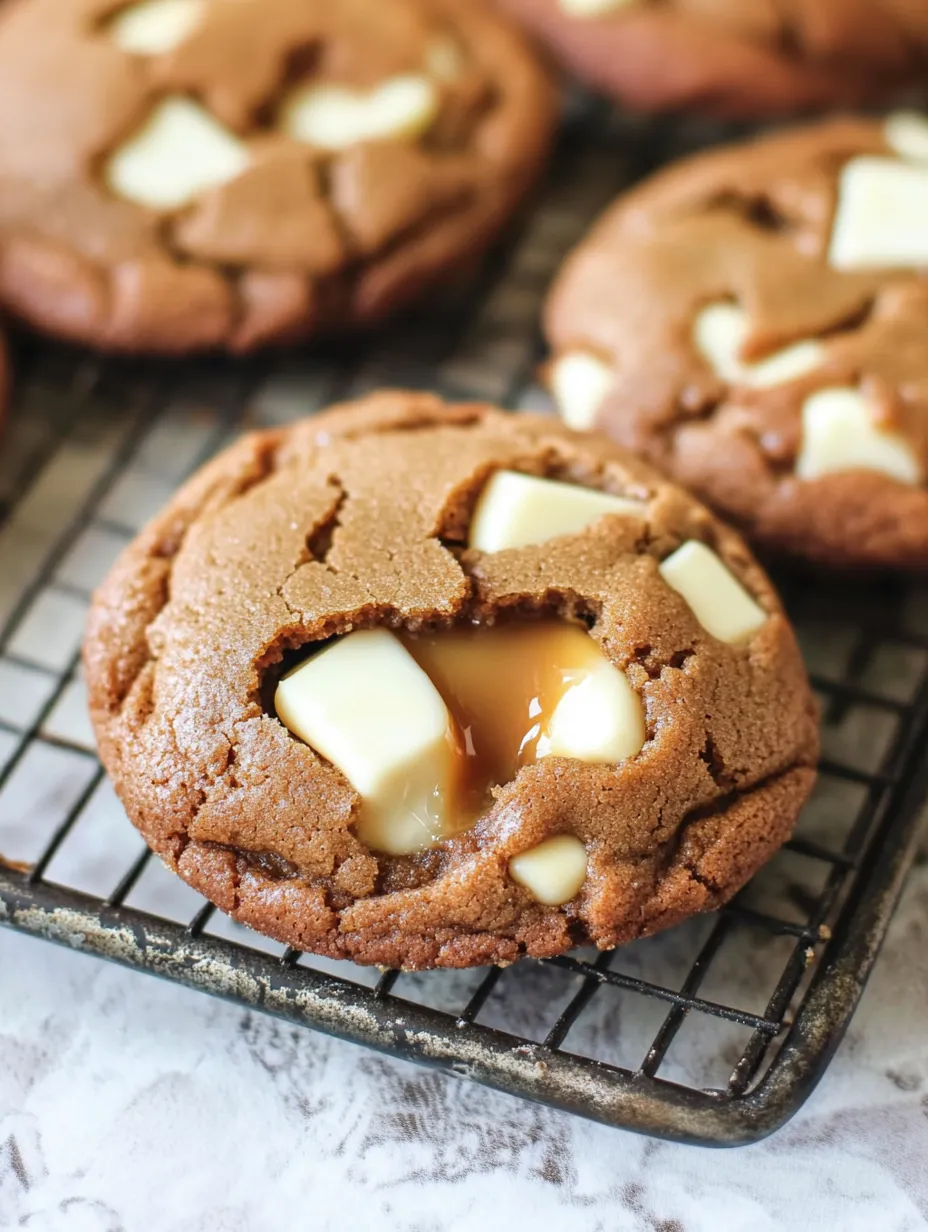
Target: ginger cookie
x=735 y=58
x=424 y=685
x=755 y=322
x=193 y=174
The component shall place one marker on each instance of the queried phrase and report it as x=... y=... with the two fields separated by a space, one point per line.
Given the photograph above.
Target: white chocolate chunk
x=718 y=600
x=592 y=8
x=880 y=219
x=517 y=510
x=839 y=434
x=599 y=719
x=580 y=383
x=720 y=331
x=154 y=27
x=906 y=133
x=552 y=872
x=365 y=705
x=333 y=117
x=178 y=152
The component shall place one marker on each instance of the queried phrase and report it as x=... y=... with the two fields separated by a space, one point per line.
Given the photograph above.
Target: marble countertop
x=130 y=1104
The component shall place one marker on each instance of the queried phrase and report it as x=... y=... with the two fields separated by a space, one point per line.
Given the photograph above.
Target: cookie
x=735 y=58
x=425 y=686
x=192 y=174
x=754 y=321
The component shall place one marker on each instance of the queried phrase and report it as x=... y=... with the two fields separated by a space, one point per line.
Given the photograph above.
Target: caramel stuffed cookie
x=425 y=686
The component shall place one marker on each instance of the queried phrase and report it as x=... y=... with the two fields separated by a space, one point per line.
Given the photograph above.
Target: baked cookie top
x=754 y=320
x=735 y=57
x=185 y=174
x=277 y=606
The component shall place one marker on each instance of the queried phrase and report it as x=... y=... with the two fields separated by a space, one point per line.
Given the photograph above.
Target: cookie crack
x=717 y=808
x=320 y=540
x=758 y=209
x=654 y=665
x=706 y=882
x=715 y=764
x=351 y=244
x=789 y=38
x=166 y=544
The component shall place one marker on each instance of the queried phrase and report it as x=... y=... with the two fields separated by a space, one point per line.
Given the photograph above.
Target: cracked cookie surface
x=359 y=518
x=736 y=58
x=753 y=321
x=190 y=174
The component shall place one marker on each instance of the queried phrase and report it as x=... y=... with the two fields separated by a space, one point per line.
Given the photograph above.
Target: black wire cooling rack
x=714 y=1032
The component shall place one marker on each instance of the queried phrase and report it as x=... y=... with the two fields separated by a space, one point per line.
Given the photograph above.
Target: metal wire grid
x=95 y=448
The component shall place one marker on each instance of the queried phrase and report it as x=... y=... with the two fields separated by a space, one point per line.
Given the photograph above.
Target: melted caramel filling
x=425 y=726
x=501 y=685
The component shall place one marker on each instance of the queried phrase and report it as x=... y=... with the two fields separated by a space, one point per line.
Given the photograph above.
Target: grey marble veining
x=129 y=1104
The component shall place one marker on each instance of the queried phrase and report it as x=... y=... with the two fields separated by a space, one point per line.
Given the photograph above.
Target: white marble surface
x=127 y=1103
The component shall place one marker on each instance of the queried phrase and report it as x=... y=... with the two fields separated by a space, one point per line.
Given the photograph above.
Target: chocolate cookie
x=755 y=322
x=422 y=685
x=187 y=174
x=738 y=58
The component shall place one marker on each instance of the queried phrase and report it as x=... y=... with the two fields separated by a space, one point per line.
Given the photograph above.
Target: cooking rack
x=714 y=1032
